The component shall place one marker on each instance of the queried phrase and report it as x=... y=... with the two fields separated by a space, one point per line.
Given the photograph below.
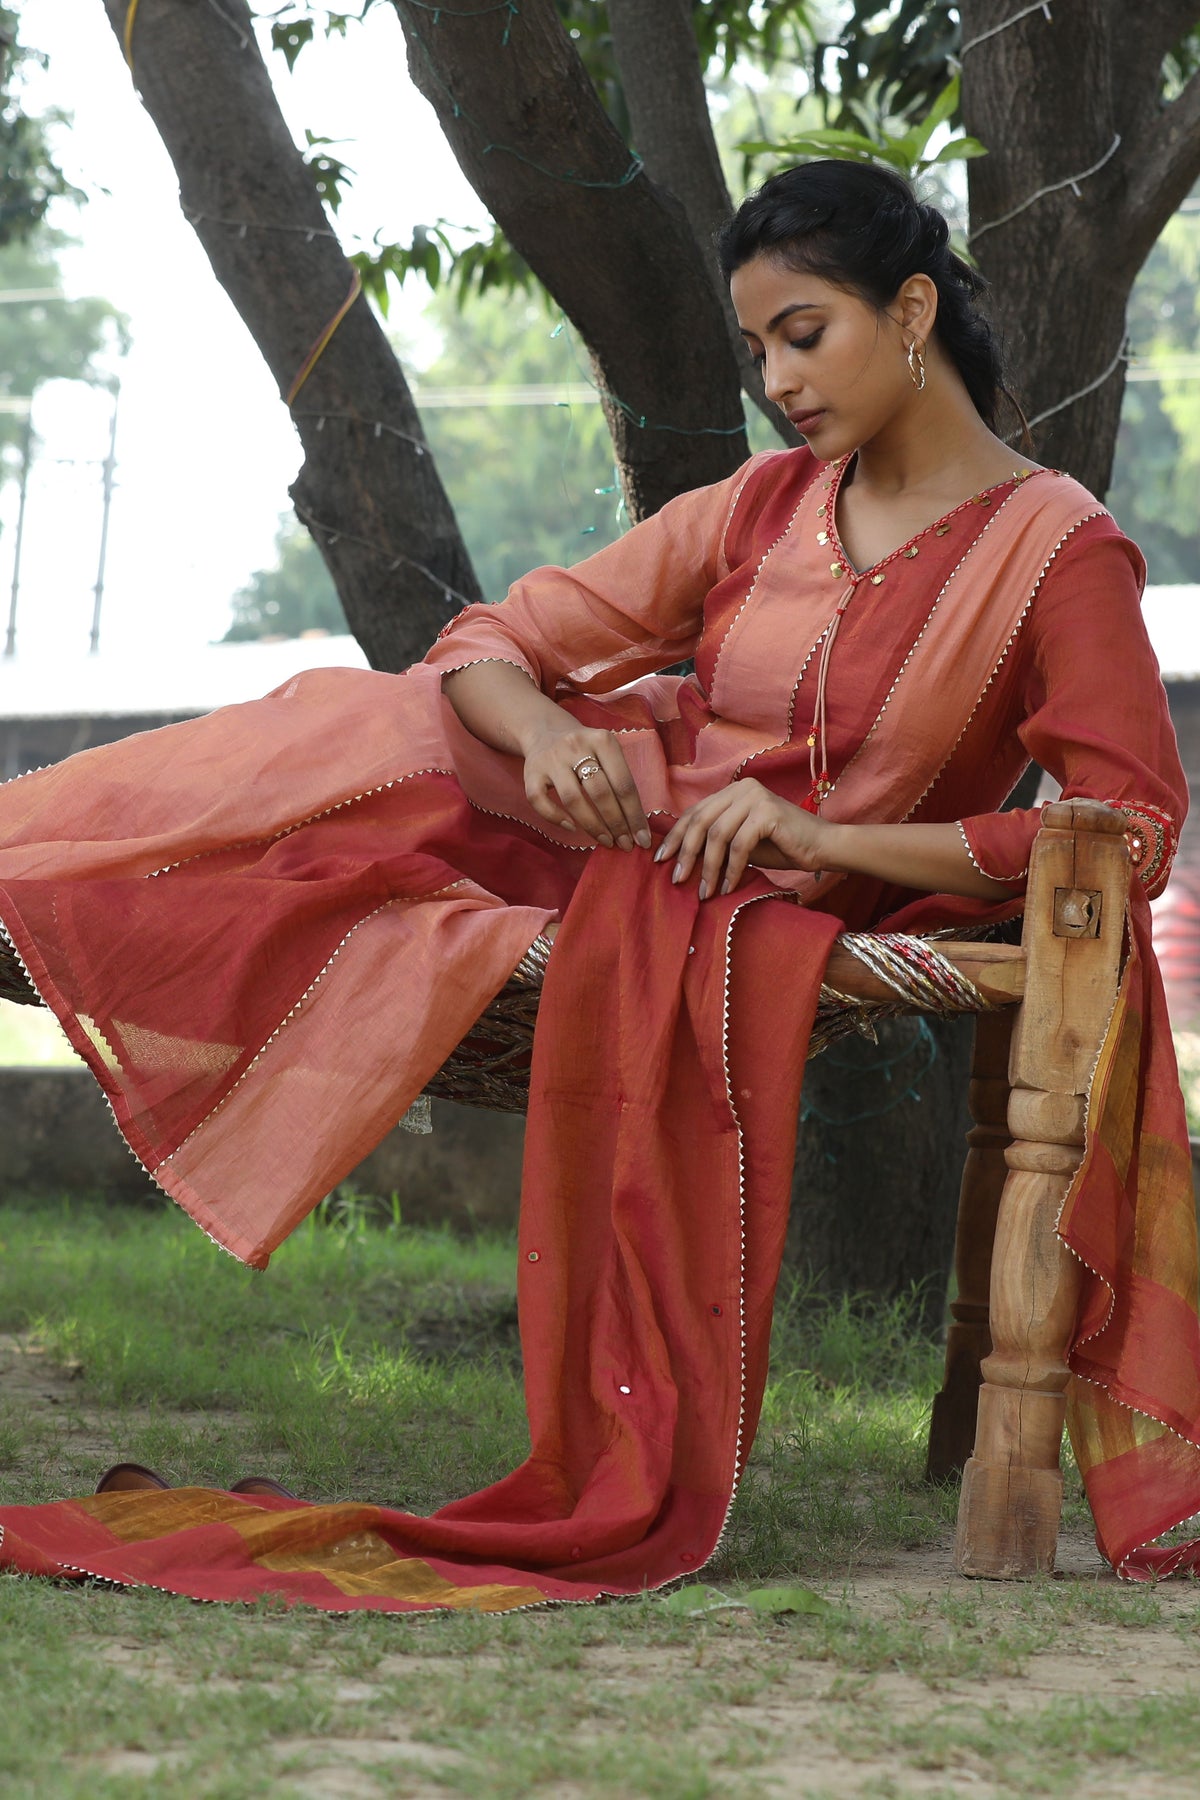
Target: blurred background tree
x=42 y=338
x=1156 y=475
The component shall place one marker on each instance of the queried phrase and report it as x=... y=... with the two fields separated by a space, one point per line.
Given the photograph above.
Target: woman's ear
x=916 y=306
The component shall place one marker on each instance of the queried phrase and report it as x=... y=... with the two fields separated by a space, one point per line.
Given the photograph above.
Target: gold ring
x=585 y=768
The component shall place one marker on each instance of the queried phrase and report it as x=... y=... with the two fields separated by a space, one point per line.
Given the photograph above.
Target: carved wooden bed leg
x=1074 y=924
x=968 y=1340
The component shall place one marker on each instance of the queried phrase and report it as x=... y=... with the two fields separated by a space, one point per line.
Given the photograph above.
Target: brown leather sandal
x=262 y=1484
x=128 y=1477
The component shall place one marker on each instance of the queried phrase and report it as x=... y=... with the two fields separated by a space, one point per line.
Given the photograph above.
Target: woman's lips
x=807 y=422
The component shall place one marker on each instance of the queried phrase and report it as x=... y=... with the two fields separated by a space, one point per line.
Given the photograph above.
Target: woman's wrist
x=835 y=846
x=541 y=723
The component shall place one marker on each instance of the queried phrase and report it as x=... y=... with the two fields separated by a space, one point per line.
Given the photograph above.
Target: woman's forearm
x=931 y=858
x=576 y=776
x=499 y=704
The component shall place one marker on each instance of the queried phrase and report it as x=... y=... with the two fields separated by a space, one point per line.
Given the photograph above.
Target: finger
x=716 y=850
x=692 y=845
x=691 y=826
x=548 y=806
x=633 y=821
x=597 y=791
x=583 y=809
x=741 y=847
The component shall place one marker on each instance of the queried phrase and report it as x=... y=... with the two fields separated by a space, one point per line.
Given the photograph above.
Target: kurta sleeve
x=1094 y=710
x=630 y=609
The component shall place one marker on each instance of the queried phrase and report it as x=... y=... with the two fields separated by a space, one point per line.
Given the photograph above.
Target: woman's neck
x=938 y=447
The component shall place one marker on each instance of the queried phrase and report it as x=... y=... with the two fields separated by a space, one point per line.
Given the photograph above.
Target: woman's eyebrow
x=786 y=313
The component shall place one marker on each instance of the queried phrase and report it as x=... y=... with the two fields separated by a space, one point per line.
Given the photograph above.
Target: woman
x=886 y=627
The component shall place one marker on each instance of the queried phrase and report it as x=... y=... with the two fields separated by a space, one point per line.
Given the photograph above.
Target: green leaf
x=693 y=1602
x=290 y=36
x=850 y=147
x=697 y=1601
x=787 y=1600
x=959 y=148
x=943 y=108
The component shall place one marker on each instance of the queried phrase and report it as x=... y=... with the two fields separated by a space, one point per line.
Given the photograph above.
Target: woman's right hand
x=577 y=778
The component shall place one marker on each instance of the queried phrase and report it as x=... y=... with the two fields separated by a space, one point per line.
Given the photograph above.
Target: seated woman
x=887 y=626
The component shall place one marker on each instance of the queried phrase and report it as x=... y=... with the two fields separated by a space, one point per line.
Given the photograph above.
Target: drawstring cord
x=818 y=757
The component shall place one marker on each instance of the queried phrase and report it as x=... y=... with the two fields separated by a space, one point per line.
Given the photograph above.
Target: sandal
x=262 y=1484
x=128 y=1477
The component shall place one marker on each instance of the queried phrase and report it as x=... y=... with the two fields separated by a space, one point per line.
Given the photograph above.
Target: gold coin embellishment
x=836 y=569
x=942 y=530
x=912 y=551
x=821 y=510
x=876 y=580
x=812 y=740
x=985 y=500
x=822 y=537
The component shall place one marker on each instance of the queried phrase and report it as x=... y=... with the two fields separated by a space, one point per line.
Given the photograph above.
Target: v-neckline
x=911 y=545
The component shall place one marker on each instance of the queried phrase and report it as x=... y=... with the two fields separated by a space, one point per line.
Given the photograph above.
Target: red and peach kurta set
x=266 y=929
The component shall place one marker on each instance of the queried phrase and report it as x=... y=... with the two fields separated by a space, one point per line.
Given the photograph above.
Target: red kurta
x=343 y=877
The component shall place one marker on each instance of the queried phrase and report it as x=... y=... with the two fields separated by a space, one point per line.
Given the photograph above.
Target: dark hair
x=860 y=227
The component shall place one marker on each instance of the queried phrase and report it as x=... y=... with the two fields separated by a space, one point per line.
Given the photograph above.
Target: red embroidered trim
x=1152 y=840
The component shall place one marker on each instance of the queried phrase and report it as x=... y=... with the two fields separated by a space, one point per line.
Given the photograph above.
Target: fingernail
x=660 y=855
x=645 y=840
x=724 y=887
x=677 y=873
x=625 y=841
x=602 y=837
x=703 y=890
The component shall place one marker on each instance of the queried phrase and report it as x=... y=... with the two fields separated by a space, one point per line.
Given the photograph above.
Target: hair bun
x=935 y=231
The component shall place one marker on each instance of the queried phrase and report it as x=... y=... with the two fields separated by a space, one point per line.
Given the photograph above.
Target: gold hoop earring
x=916 y=364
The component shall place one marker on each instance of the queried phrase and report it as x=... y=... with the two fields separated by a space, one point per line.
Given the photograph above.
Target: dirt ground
x=812 y=1708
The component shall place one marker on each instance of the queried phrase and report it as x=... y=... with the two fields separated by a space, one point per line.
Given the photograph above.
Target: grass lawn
x=373 y=1361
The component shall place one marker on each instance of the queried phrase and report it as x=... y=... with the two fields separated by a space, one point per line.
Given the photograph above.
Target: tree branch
x=1165 y=22
x=1164 y=163
x=615 y=250
x=663 y=84
x=368 y=489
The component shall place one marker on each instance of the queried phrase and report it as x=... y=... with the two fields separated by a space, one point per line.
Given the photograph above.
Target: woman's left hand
x=743 y=823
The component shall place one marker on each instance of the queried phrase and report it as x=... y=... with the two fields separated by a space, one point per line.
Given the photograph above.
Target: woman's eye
x=807 y=343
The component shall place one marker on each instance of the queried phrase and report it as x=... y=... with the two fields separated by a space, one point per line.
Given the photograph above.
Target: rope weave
x=490 y=1068
x=917 y=974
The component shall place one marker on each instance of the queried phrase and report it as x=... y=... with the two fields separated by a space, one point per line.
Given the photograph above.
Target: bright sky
x=205 y=451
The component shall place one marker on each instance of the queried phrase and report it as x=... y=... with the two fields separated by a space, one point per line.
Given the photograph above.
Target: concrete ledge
x=58 y=1136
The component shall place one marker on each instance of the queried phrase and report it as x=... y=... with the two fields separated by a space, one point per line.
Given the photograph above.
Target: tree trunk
x=1054 y=99
x=663 y=84
x=615 y=250
x=368 y=490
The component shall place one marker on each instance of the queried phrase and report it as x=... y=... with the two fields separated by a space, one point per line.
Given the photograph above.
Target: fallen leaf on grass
x=696 y=1601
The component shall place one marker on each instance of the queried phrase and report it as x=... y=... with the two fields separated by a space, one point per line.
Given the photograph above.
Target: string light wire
x=1071 y=181
x=1042 y=6
x=242 y=226
x=568 y=178
x=395 y=559
x=1121 y=356
x=378 y=426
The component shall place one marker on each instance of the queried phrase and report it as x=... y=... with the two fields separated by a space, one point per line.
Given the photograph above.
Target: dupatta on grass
x=666 y=1078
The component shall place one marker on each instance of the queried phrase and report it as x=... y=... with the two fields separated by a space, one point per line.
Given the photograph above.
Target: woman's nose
x=775 y=384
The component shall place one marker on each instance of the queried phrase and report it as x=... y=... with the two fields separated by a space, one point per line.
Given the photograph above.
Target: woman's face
x=835 y=365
